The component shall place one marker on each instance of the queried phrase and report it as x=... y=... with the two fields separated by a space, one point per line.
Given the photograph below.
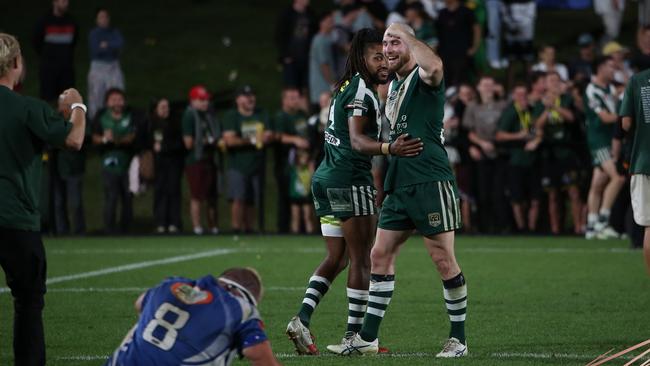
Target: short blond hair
x=9 y=51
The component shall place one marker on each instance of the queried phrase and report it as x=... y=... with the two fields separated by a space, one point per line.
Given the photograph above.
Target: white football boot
x=608 y=233
x=301 y=337
x=354 y=346
x=453 y=348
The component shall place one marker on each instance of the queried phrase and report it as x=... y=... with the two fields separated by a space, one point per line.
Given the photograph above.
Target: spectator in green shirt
x=517 y=130
x=246 y=133
x=26 y=126
x=291 y=132
x=200 y=136
x=68 y=189
x=114 y=132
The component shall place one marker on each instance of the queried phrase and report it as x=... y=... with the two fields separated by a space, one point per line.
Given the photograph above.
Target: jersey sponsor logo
x=434 y=219
x=331 y=139
x=190 y=295
x=340 y=199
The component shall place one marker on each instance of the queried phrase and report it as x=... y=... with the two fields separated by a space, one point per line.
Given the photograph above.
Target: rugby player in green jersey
x=421 y=192
x=635 y=111
x=342 y=186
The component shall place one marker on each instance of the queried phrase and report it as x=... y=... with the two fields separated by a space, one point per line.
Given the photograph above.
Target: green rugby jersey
x=636 y=104
x=597 y=99
x=341 y=163
x=416 y=108
x=557 y=131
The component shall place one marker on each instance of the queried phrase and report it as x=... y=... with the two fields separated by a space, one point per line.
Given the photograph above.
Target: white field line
x=135 y=266
x=500 y=355
x=137 y=289
x=262 y=250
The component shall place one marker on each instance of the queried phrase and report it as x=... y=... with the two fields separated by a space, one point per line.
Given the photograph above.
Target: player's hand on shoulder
x=406 y=146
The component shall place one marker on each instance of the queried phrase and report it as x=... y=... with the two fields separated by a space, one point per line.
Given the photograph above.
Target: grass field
x=532 y=301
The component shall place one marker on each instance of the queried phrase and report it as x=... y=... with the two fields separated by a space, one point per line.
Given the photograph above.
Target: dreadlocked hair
x=356 y=63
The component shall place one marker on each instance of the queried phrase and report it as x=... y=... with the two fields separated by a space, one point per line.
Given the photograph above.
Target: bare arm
x=476 y=39
x=627 y=123
x=365 y=145
x=232 y=140
x=260 y=354
x=503 y=136
x=75 y=138
x=295 y=140
x=327 y=73
x=430 y=64
x=188 y=141
x=138 y=303
x=608 y=117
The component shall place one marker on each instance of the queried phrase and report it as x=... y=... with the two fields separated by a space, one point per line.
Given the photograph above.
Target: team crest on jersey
x=434 y=219
x=190 y=295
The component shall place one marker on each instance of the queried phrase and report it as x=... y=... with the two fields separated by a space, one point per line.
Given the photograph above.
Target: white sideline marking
x=322 y=250
x=134 y=266
x=500 y=355
x=135 y=289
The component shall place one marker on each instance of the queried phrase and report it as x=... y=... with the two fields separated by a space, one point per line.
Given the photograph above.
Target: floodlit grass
x=529 y=298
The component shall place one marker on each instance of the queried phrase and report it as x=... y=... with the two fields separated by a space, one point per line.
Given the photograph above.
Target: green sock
x=455 y=293
x=316 y=289
x=380 y=293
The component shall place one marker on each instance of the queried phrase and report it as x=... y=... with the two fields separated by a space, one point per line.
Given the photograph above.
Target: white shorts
x=331 y=226
x=640 y=193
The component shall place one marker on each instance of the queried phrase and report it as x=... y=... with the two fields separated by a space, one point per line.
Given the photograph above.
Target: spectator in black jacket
x=55 y=37
x=295 y=28
x=169 y=152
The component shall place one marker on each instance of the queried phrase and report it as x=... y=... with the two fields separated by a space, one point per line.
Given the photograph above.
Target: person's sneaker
x=354 y=346
x=453 y=348
x=214 y=231
x=301 y=337
x=198 y=230
x=160 y=230
x=590 y=234
x=608 y=233
x=172 y=229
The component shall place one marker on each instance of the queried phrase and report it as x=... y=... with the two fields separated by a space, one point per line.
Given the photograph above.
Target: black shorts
x=559 y=173
x=22 y=257
x=524 y=183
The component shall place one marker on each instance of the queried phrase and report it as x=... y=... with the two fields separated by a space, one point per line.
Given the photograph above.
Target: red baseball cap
x=199 y=92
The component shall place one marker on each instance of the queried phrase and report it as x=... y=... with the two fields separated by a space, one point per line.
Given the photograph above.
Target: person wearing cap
x=622 y=70
x=201 y=134
x=211 y=320
x=581 y=67
x=246 y=132
x=114 y=131
x=26 y=126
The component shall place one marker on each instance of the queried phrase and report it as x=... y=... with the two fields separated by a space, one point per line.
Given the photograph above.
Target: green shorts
x=599 y=156
x=431 y=208
x=331 y=199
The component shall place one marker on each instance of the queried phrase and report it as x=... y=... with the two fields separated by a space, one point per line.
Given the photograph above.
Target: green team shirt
x=597 y=99
x=291 y=123
x=417 y=108
x=26 y=126
x=116 y=159
x=246 y=159
x=341 y=164
x=636 y=104
x=188 y=126
x=514 y=120
x=557 y=131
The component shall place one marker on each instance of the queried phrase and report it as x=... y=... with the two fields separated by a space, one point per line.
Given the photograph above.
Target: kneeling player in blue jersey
x=208 y=321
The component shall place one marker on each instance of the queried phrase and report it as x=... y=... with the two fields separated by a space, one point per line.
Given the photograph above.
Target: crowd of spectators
x=518 y=142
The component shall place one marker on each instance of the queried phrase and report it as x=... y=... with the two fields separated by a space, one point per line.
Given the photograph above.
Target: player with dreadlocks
x=342 y=186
